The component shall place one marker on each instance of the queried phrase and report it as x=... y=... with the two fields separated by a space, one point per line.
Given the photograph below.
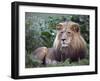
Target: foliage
x=40 y=30
x=67 y=63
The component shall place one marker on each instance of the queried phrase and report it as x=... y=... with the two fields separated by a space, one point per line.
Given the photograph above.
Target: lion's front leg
x=51 y=57
x=49 y=61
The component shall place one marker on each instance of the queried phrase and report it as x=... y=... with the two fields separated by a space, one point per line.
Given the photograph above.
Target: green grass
x=32 y=63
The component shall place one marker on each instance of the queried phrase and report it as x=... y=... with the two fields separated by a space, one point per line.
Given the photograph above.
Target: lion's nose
x=63 y=39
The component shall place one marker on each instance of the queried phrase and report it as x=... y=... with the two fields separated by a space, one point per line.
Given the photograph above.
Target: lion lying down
x=68 y=44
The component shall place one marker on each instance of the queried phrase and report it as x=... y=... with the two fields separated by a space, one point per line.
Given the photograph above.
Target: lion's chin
x=64 y=45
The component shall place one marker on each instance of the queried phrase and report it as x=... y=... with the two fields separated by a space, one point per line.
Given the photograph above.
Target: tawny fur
x=75 y=50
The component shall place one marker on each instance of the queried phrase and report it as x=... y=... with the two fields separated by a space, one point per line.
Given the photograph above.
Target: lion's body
x=68 y=44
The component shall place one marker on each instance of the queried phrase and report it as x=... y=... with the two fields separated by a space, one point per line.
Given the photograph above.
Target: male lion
x=68 y=44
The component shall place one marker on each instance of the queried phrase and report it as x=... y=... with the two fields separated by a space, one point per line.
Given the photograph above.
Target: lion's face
x=66 y=32
x=65 y=37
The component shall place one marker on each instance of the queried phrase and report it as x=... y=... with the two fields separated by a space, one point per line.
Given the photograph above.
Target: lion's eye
x=68 y=32
x=62 y=32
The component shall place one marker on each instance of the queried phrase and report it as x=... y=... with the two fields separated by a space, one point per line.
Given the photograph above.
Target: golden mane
x=77 y=47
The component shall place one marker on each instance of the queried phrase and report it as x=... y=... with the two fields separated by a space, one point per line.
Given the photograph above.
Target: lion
x=68 y=44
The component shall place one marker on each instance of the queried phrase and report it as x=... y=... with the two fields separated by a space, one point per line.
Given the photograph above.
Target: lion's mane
x=77 y=48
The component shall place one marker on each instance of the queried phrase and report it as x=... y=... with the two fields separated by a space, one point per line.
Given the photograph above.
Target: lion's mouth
x=64 y=44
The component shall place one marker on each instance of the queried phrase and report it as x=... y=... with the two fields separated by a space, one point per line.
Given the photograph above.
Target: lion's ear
x=75 y=27
x=59 y=26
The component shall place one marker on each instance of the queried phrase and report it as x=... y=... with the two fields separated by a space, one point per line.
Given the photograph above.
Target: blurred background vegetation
x=40 y=30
